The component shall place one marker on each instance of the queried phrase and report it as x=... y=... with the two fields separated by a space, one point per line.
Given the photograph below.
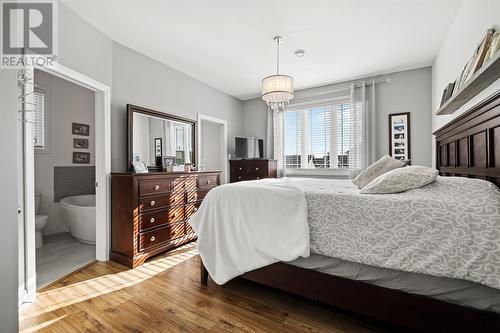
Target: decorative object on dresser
x=149 y=212
x=399 y=136
x=252 y=169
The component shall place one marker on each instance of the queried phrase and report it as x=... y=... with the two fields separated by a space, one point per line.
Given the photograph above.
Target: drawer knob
x=157 y=187
x=152 y=220
x=239 y=177
x=152 y=203
x=195 y=209
x=241 y=169
x=153 y=238
x=208 y=182
x=175 y=214
x=258 y=177
x=256 y=169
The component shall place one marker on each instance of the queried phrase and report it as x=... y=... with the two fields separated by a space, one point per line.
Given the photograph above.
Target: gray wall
x=143 y=81
x=83 y=48
x=408 y=91
x=8 y=203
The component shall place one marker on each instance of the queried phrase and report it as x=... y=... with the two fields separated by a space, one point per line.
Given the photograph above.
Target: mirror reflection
x=155 y=137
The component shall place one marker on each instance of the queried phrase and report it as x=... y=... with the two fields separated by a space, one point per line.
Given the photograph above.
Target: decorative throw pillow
x=386 y=163
x=401 y=180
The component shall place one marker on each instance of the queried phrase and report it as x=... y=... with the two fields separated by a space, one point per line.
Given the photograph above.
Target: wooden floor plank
x=165 y=295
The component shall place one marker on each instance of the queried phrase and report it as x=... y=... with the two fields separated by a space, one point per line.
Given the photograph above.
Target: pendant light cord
x=277 y=56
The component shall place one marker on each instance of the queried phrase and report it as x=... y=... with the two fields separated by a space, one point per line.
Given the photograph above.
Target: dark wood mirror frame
x=131 y=109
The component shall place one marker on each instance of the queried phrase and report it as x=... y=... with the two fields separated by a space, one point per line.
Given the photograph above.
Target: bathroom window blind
x=317 y=137
x=39 y=136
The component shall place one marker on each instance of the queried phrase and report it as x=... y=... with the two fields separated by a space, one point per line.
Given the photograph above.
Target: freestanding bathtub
x=78 y=213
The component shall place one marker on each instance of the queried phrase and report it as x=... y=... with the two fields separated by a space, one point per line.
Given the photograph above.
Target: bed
x=443 y=293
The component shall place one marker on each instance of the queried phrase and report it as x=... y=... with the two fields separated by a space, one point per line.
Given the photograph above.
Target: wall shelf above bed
x=489 y=73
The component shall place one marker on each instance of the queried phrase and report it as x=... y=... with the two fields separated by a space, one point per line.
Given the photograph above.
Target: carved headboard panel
x=469 y=146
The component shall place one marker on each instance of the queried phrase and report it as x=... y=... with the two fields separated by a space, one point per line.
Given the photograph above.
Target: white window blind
x=39 y=135
x=316 y=137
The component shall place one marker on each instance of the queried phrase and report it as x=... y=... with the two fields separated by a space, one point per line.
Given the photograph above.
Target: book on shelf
x=480 y=54
x=493 y=47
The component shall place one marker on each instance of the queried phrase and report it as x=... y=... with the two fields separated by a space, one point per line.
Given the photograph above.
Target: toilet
x=40 y=222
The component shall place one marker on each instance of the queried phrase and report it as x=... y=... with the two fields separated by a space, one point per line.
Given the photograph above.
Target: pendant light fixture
x=277 y=90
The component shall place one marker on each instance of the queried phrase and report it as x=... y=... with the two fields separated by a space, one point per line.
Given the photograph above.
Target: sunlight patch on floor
x=54 y=299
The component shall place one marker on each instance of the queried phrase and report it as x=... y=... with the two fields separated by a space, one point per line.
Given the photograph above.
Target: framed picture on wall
x=80 y=129
x=399 y=136
x=81 y=158
x=79 y=143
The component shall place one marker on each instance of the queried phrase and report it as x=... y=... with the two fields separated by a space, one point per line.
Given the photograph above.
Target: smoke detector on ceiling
x=300 y=53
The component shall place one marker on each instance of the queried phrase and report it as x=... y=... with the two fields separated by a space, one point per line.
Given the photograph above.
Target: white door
x=26 y=192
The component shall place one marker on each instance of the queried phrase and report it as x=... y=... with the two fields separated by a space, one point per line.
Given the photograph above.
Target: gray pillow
x=401 y=180
x=386 y=163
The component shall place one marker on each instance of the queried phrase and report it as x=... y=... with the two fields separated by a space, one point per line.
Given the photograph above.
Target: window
x=316 y=137
x=40 y=120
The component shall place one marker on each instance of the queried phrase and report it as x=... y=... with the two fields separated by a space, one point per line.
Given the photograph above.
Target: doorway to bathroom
x=64 y=165
x=64 y=197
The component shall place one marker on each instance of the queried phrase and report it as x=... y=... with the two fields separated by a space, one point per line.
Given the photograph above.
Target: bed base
x=403 y=310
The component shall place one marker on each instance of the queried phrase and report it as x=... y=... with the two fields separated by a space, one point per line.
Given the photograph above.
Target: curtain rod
x=356 y=85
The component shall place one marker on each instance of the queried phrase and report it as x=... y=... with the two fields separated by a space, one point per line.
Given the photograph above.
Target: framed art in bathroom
x=80 y=129
x=79 y=143
x=81 y=158
x=400 y=136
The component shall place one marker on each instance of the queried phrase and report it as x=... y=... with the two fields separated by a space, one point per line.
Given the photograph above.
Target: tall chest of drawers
x=149 y=212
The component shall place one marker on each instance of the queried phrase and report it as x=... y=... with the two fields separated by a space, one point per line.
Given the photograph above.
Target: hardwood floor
x=165 y=295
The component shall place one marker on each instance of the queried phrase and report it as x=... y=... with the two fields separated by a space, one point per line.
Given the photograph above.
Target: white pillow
x=401 y=180
x=386 y=163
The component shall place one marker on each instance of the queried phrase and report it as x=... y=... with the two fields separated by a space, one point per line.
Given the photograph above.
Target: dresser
x=252 y=169
x=149 y=212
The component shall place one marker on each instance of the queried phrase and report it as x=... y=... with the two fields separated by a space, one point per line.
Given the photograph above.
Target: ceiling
x=228 y=44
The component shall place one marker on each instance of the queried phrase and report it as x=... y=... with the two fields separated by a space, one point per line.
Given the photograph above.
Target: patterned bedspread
x=450 y=228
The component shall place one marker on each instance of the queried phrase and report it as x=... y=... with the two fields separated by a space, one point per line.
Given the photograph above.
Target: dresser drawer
x=159 y=201
x=154 y=219
x=191 y=209
x=192 y=197
x=256 y=172
x=147 y=187
x=203 y=182
x=153 y=238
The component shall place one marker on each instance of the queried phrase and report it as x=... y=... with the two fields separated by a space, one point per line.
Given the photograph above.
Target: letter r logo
x=27 y=26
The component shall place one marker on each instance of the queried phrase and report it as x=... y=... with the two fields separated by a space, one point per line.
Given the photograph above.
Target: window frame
x=41 y=89
x=318 y=172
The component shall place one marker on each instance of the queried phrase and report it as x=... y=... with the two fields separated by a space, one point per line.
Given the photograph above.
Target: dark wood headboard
x=469 y=146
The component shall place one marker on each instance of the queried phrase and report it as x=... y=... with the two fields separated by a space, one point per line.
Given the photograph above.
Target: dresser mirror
x=153 y=135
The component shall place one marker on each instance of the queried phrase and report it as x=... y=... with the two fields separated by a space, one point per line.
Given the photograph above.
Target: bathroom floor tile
x=61 y=254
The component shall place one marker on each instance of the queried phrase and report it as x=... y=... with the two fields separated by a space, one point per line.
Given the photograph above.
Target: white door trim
x=102 y=152
x=224 y=160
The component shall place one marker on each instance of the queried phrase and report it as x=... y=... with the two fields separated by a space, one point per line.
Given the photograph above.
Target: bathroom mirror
x=153 y=135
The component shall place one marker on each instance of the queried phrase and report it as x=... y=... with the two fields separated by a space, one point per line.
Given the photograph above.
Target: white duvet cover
x=248 y=225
